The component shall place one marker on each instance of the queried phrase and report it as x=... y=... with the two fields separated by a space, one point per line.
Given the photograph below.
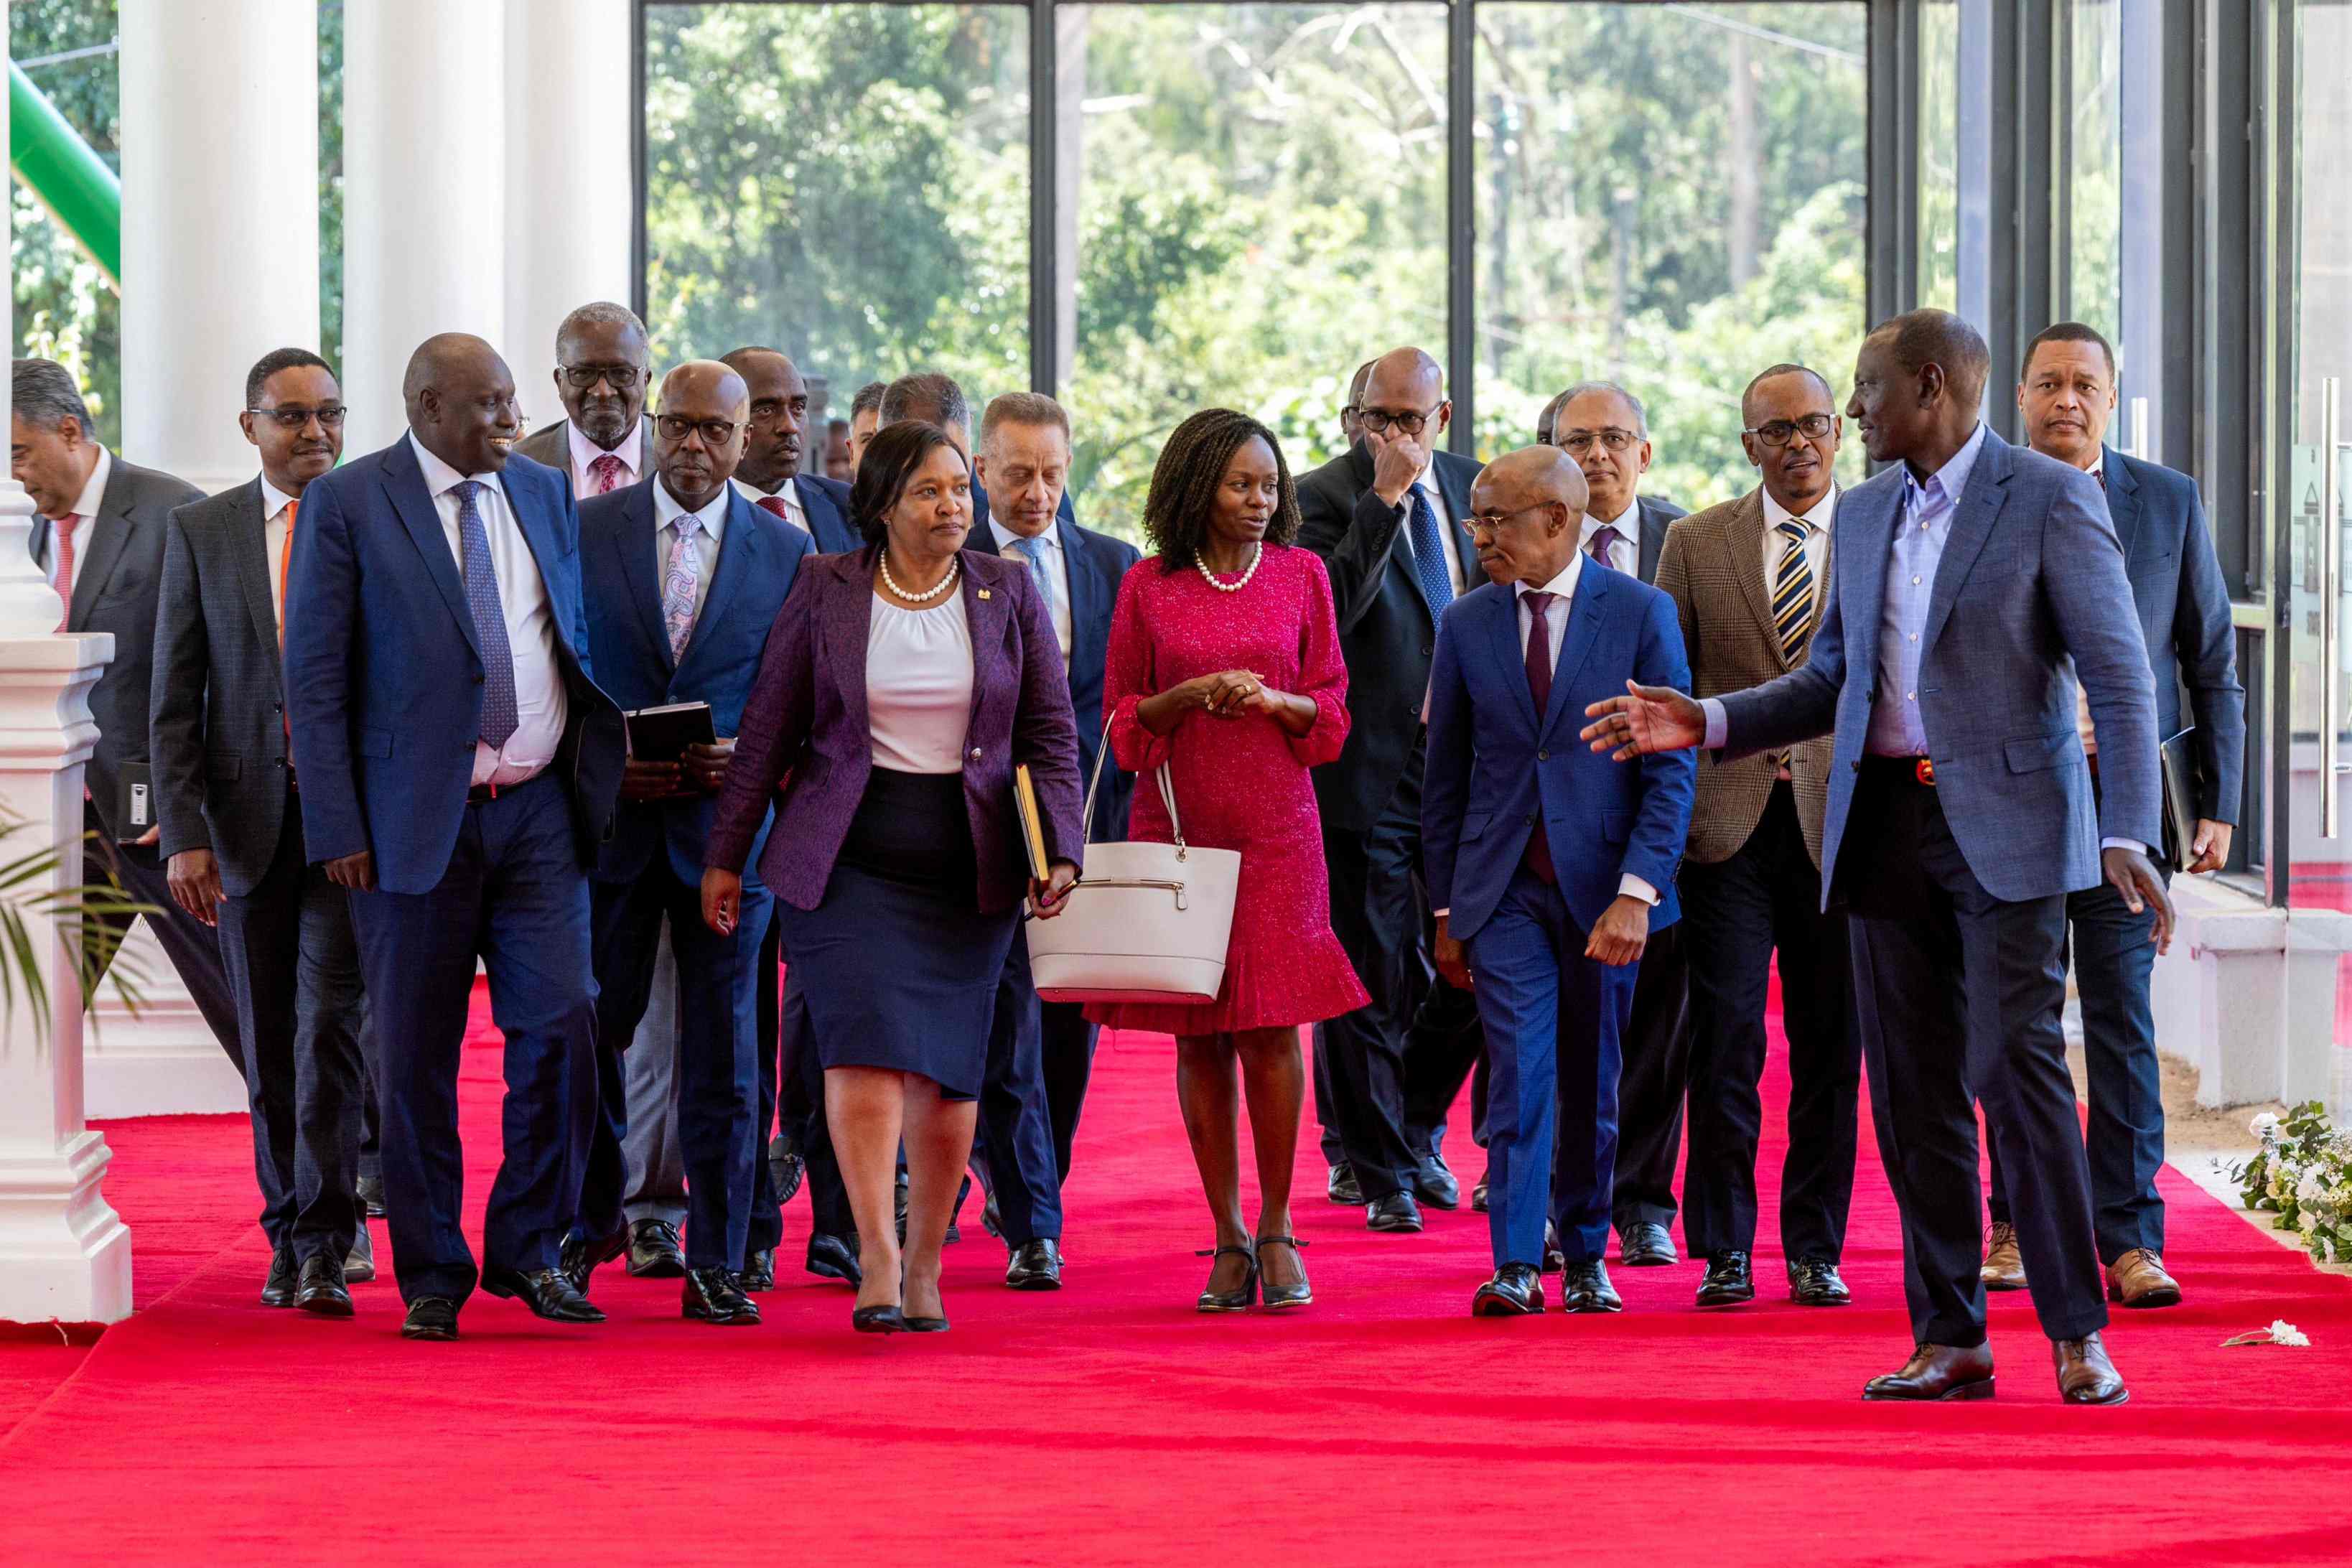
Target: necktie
x=500 y=713
x=775 y=507
x=1538 y=854
x=1032 y=553
x=1429 y=572
x=64 y=583
x=1603 y=540
x=285 y=559
x=609 y=474
x=678 y=583
x=2100 y=475
x=1793 y=593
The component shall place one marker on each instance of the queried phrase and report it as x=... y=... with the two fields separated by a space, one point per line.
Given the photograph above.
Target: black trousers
x=289 y=954
x=1447 y=1044
x=193 y=946
x=1651 y=1085
x=2114 y=959
x=1013 y=1151
x=1066 y=1058
x=1737 y=914
x=1959 y=991
x=800 y=1108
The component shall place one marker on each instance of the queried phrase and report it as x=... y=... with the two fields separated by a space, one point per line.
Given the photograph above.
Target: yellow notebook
x=1033 y=825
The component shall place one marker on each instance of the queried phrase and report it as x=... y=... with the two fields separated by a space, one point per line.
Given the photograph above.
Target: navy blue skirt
x=897 y=964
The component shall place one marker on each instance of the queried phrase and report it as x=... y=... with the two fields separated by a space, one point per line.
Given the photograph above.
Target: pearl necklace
x=933 y=591
x=1238 y=583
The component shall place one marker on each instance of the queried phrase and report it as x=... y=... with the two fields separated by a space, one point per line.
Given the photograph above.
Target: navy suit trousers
x=514 y=894
x=1555 y=1022
x=1015 y=1147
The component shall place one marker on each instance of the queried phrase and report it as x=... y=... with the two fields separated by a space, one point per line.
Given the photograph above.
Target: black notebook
x=137 y=805
x=2179 y=771
x=663 y=734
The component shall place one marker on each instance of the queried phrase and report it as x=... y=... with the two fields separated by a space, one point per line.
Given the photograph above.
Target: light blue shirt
x=1896 y=727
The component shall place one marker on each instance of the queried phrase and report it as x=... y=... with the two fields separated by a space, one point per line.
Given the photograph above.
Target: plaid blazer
x=1713 y=566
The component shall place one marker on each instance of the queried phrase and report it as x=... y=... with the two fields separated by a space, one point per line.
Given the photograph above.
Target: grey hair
x=44 y=395
x=600 y=313
x=1641 y=414
x=910 y=397
x=1034 y=408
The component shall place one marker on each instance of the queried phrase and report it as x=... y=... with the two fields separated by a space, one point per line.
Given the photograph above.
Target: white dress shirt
x=541 y=705
x=1625 y=549
x=1051 y=558
x=85 y=507
x=585 y=452
x=1426 y=483
x=788 y=492
x=1817 y=542
x=277 y=538
x=919 y=685
x=666 y=511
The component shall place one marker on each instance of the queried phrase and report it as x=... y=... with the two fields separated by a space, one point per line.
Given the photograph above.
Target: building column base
x=64 y=1254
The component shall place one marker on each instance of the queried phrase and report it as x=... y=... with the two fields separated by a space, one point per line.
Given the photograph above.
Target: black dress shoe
x=1729 y=1282
x=1515 y=1291
x=1396 y=1213
x=785 y=1167
x=1937 y=1372
x=581 y=1255
x=546 y=1291
x=876 y=1320
x=834 y=1257
x=430 y=1318
x=758 y=1273
x=370 y=1195
x=277 y=1290
x=321 y=1287
x=1646 y=1245
x=712 y=1297
x=1554 y=1260
x=1036 y=1265
x=1341 y=1187
x=1584 y=1288
x=1814 y=1282
x=654 y=1252
x=1433 y=1184
x=358 y=1264
x=1478 y=1193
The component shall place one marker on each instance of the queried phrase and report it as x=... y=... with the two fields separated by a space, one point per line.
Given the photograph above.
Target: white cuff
x=1629 y=886
x=1717 y=725
x=2134 y=844
x=1439 y=914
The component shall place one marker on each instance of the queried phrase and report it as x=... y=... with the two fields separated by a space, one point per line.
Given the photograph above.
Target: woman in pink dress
x=1224 y=664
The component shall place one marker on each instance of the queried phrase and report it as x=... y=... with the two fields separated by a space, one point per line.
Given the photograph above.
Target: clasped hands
x=1229 y=694
x=701 y=771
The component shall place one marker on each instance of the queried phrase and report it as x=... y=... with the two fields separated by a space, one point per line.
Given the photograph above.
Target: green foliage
x=29 y=907
x=65 y=308
x=2302 y=1174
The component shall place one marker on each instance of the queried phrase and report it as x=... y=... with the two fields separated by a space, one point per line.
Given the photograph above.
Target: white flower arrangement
x=2302 y=1174
x=2280 y=1332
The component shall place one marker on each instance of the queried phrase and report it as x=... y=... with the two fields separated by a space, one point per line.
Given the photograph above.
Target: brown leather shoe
x=1937 y=1372
x=2085 y=1375
x=2004 y=1266
x=2137 y=1279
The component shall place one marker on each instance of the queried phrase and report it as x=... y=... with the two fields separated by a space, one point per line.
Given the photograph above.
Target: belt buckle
x=1924 y=770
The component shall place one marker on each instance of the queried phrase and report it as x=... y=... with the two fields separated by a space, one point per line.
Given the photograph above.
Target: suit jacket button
x=1426 y=650
x=1856 y=765
x=1543 y=756
x=478 y=680
x=975 y=753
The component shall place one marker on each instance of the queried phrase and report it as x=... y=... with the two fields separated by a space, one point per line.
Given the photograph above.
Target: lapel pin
x=984 y=593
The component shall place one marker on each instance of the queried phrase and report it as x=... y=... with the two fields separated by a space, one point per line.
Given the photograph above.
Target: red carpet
x=1109 y=1424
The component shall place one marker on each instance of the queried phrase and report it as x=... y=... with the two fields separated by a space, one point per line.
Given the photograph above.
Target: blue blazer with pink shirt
x=806 y=721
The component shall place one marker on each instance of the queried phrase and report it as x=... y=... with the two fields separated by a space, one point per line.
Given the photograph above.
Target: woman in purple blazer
x=901 y=687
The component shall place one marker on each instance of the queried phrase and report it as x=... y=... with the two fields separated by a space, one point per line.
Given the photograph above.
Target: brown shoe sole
x=2148 y=1299
x=1980 y=1389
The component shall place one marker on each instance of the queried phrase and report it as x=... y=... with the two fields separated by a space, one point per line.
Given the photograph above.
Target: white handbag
x=1145 y=922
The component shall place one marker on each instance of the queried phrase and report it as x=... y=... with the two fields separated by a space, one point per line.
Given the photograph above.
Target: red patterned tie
x=64 y=581
x=775 y=507
x=609 y=474
x=1538 y=856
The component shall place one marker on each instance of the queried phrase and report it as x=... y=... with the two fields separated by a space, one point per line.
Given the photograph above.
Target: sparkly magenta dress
x=1241 y=784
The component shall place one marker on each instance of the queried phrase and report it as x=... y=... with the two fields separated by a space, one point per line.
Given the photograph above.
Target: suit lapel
x=249 y=541
x=1503 y=629
x=538 y=533
x=635 y=553
x=1654 y=538
x=1860 y=548
x=2123 y=501
x=1585 y=611
x=1455 y=493
x=1086 y=599
x=403 y=484
x=1971 y=525
x=988 y=612
x=847 y=619
x=1745 y=541
x=92 y=571
x=742 y=550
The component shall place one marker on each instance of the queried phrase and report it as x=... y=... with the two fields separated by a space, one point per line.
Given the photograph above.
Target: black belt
x=1918 y=772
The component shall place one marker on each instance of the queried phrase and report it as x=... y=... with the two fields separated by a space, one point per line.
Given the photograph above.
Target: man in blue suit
x=683 y=578
x=2066 y=395
x=773 y=475
x=456 y=768
x=1548 y=870
x=1965 y=578
x=1042 y=1055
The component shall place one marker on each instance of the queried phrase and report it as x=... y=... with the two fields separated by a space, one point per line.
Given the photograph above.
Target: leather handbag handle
x=1167 y=794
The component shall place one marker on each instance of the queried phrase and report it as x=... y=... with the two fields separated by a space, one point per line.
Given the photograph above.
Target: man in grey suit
x=605 y=444
x=100 y=540
x=232 y=832
x=1960 y=815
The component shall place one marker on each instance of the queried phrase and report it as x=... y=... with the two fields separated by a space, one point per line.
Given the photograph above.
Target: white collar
x=273 y=500
x=1633 y=535
x=631 y=451
x=1819 y=517
x=1051 y=539
x=439 y=476
x=93 y=489
x=666 y=509
x=1562 y=586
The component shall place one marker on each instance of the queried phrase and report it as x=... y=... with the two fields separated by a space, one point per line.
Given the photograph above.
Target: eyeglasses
x=1780 y=432
x=1380 y=421
x=622 y=377
x=1490 y=522
x=330 y=418
x=1615 y=440
x=678 y=427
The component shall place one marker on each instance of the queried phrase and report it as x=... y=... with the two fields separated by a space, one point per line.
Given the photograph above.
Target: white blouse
x=919 y=685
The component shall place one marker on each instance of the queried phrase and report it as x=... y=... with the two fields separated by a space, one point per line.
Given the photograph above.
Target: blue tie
x=1429 y=572
x=499 y=712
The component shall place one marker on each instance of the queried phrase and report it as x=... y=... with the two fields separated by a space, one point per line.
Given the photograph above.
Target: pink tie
x=608 y=473
x=64 y=584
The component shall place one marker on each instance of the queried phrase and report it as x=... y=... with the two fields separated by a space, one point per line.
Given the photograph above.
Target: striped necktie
x=1793 y=593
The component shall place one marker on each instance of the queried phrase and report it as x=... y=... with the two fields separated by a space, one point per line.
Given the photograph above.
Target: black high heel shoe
x=1234 y=1300
x=1284 y=1297
x=877 y=1320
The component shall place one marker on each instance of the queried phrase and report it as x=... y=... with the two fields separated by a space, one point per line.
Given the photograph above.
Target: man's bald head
x=1535 y=474
x=705 y=389
x=445 y=358
x=699 y=430
x=1526 y=514
x=461 y=402
x=1405 y=378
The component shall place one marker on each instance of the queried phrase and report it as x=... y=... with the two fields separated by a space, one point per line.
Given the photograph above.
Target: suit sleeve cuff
x=1718 y=726
x=1629 y=886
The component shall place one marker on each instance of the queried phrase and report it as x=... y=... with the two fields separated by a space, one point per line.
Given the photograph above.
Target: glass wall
x=2095 y=134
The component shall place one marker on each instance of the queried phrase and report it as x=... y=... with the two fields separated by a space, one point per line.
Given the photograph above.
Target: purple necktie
x=1538 y=856
x=1604 y=540
x=500 y=715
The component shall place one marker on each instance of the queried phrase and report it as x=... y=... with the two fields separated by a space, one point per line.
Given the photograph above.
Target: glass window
x=2095 y=182
x=848 y=184
x=66 y=308
x=1939 y=154
x=1260 y=208
x=1671 y=198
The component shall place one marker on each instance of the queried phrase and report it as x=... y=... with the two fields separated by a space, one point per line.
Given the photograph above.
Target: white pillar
x=570 y=189
x=64 y=1254
x=425 y=183
x=220 y=219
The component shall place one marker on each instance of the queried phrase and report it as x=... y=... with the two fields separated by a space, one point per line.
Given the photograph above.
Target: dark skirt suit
x=898 y=894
